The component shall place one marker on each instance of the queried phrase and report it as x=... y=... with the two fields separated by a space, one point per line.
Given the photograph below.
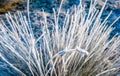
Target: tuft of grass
x=77 y=45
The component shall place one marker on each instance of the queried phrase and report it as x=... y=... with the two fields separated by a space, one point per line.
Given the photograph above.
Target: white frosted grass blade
x=109 y=70
x=12 y=65
x=80 y=47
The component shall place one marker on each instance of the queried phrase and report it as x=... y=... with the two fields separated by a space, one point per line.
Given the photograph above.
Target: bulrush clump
x=77 y=45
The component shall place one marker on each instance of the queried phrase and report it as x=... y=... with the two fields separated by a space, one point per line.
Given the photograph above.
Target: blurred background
x=47 y=5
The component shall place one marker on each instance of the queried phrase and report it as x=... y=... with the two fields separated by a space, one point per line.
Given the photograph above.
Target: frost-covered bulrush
x=77 y=44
